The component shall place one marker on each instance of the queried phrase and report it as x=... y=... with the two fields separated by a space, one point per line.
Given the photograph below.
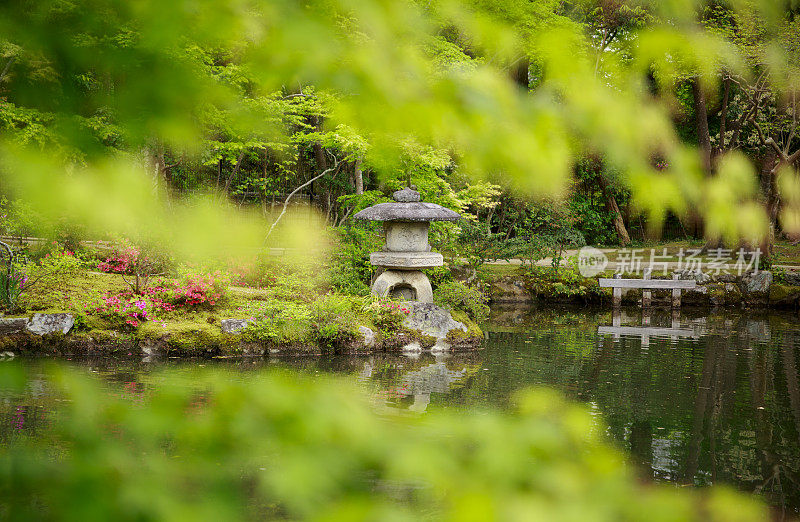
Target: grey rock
x=441 y=346
x=43 y=324
x=13 y=325
x=792 y=278
x=509 y=291
x=414 y=347
x=233 y=326
x=464 y=274
x=369 y=336
x=757 y=282
x=702 y=277
x=431 y=320
x=698 y=275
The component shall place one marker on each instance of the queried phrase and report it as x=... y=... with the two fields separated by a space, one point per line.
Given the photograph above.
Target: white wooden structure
x=647 y=285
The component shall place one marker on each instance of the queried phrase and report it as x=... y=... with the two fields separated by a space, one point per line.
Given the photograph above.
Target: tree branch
x=793 y=158
x=7 y=67
x=295 y=191
x=767 y=141
x=723 y=115
x=235 y=170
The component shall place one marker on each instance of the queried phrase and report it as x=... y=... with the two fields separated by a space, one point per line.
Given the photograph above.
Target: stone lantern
x=407 y=252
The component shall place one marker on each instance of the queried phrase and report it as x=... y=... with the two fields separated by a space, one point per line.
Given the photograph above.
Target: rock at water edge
x=368 y=336
x=43 y=324
x=13 y=325
x=758 y=282
x=431 y=320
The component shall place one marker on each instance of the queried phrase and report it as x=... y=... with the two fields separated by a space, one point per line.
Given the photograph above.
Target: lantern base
x=411 y=285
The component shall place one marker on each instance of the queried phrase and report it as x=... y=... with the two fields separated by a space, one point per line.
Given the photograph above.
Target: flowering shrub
x=164 y=296
x=120 y=261
x=197 y=289
x=387 y=314
x=127 y=308
x=60 y=261
x=136 y=265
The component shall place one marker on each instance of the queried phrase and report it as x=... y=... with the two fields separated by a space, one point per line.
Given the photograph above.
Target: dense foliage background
x=623 y=119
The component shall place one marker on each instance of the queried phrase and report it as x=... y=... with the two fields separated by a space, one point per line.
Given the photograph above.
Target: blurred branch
x=235 y=170
x=7 y=67
x=334 y=169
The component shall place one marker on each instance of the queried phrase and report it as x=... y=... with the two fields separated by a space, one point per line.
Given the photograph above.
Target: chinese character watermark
x=714 y=261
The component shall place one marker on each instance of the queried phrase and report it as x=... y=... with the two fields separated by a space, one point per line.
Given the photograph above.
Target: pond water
x=692 y=398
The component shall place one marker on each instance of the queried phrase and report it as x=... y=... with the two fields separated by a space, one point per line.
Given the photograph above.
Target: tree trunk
x=613 y=208
x=359 y=177
x=770 y=167
x=701 y=124
x=520 y=73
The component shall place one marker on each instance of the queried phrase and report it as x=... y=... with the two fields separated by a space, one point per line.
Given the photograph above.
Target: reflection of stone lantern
x=407 y=252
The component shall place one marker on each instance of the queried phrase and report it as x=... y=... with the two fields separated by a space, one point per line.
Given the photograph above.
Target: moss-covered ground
x=289 y=313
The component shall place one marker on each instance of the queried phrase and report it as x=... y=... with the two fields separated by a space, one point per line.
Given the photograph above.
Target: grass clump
x=458 y=296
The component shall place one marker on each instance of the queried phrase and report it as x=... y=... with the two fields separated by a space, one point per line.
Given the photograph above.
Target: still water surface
x=693 y=399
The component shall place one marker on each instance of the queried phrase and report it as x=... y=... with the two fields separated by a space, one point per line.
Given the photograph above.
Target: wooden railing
x=647 y=285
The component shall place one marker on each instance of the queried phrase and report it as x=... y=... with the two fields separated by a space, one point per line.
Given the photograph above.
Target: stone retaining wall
x=760 y=289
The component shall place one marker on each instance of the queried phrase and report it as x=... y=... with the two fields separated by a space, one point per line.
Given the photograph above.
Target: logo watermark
x=591 y=261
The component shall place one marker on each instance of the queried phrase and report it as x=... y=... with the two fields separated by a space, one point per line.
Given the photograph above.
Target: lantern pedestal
x=410 y=285
x=406 y=222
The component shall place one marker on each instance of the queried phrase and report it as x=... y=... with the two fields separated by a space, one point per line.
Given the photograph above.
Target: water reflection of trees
x=724 y=407
x=731 y=414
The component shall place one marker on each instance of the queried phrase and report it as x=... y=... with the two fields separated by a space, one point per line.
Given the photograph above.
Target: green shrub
x=386 y=314
x=439 y=275
x=350 y=270
x=18 y=274
x=281 y=322
x=563 y=281
x=458 y=296
x=334 y=319
x=477 y=244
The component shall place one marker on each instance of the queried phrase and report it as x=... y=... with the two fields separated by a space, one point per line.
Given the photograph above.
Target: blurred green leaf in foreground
x=92 y=93
x=198 y=446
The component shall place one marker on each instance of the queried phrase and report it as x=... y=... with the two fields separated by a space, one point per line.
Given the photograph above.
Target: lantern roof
x=407 y=207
